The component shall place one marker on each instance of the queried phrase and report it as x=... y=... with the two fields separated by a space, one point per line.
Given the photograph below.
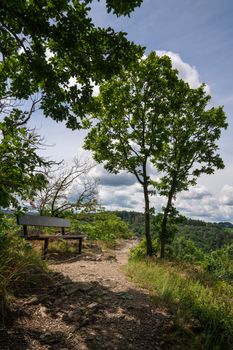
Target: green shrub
x=16 y=255
x=185 y=250
x=63 y=246
x=220 y=263
x=139 y=251
x=103 y=226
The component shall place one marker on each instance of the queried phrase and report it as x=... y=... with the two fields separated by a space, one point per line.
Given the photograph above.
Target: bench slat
x=41 y=237
x=33 y=220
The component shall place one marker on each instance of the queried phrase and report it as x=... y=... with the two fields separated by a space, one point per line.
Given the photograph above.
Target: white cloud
x=205 y=209
x=226 y=195
x=123 y=192
x=186 y=71
x=122 y=197
x=203 y=205
x=107 y=179
x=198 y=192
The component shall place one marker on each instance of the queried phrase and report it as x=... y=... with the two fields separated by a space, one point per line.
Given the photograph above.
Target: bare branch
x=68 y=189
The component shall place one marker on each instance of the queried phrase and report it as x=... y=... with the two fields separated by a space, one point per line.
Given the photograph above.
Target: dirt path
x=90 y=304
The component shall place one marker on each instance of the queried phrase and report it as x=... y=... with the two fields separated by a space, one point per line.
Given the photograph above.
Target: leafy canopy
x=20 y=176
x=133 y=110
x=191 y=148
x=53 y=48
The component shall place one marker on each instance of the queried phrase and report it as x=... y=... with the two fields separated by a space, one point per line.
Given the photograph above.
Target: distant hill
x=134 y=219
x=206 y=235
x=225 y=224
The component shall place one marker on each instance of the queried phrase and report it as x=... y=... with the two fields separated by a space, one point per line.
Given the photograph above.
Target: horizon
x=35 y=211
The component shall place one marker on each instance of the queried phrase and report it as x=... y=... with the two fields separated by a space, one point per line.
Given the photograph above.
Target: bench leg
x=80 y=245
x=46 y=245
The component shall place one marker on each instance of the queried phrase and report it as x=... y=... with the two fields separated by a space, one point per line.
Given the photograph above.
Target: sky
x=198 y=37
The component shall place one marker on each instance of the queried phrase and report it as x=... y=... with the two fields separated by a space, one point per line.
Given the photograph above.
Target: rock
x=73 y=316
x=44 y=297
x=59 y=302
x=111 y=258
x=52 y=338
x=93 y=306
x=123 y=295
x=130 y=307
x=71 y=289
x=84 y=322
x=32 y=301
x=85 y=288
x=43 y=311
x=99 y=257
x=90 y=338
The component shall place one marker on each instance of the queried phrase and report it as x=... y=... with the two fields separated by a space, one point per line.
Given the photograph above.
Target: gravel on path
x=89 y=304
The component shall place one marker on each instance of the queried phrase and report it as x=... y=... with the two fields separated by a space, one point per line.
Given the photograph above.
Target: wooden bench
x=46 y=221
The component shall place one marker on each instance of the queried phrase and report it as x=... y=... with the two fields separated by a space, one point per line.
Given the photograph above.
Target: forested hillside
x=207 y=236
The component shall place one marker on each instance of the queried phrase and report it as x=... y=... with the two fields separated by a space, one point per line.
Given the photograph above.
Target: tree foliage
x=191 y=148
x=53 y=48
x=20 y=175
x=130 y=126
x=122 y=7
x=52 y=52
x=209 y=237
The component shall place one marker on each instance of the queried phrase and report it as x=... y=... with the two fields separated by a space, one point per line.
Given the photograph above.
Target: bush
x=139 y=252
x=185 y=250
x=104 y=226
x=16 y=255
x=220 y=263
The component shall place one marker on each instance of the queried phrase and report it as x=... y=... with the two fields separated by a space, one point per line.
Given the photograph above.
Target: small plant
x=64 y=247
x=139 y=252
x=16 y=255
x=191 y=302
x=220 y=263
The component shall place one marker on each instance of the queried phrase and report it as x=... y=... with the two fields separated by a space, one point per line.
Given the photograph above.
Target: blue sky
x=198 y=35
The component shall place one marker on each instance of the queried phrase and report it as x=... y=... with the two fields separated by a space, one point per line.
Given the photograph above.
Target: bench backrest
x=46 y=221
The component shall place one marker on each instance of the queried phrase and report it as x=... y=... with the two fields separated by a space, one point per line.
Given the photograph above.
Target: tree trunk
x=163 y=236
x=147 y=221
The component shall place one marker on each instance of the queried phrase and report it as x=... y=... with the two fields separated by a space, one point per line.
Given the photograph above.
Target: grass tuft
x=203 y=311
x=16 y=257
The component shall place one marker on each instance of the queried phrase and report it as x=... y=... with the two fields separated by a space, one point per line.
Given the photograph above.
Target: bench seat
x=44 y=221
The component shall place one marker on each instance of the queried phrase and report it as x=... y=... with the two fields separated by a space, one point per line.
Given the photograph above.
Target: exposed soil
x=87 y=303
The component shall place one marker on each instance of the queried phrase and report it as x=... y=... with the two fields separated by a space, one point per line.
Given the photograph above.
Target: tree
x=67 y=189
x=20 y=175
x=53 y=48
x=191 y=147
x=130 y=122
